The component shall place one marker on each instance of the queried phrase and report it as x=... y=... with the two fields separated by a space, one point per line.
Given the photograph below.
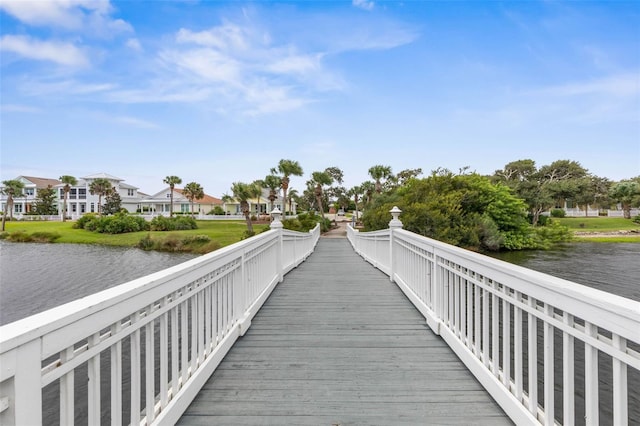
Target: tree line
x=494 y=212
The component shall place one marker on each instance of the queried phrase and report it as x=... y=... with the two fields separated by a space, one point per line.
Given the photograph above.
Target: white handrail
x=169 y=329
x=519 y=331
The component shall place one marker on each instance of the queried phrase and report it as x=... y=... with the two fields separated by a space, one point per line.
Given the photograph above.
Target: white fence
x=546 y=349
x=140 y=352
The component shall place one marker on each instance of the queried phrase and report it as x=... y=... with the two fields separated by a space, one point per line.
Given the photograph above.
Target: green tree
x=11 y=188
x=273 y=182
x=172 y=181
x=226 y=198
x=293 y=196
x=356 y=192
x=68 y=181
x=244 y=192
x=193 y=191
x=368 y=189
x=45 y=203
x=100 y=187
x=403 y=176
x=465 y=210
x=627 y=193
x=112 y=202
x=379 y=172
x=287 y=168
x=542 y=188
x=318 y=181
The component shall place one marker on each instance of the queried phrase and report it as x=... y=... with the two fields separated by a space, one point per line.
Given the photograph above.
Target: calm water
x=37 y=277
x=614 y=268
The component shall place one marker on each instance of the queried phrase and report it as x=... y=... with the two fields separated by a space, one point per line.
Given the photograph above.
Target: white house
x=81 y=201
x=24 y=203
x=160 y=203
x=259 y=206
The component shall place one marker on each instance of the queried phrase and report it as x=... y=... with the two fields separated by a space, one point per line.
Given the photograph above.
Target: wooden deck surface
x=338 y=344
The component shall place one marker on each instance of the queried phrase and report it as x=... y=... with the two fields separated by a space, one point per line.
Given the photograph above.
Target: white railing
x=547 y=350
x=140 y=352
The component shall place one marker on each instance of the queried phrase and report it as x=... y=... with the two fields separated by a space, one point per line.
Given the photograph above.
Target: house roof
x=208 y=199
x=103 y=176
x=40 y=182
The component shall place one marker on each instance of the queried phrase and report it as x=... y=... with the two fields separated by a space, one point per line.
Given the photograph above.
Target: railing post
x=26 y=407
x=277 y=225
x=393 y=225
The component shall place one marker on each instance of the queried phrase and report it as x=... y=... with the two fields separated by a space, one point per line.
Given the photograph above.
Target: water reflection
x=614 y=268
x=36 y=277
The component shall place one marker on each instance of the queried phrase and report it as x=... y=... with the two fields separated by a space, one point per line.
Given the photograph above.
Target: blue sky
x=217 y=92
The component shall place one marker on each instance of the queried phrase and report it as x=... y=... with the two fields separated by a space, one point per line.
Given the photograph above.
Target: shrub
x=558 y=213
x=84 y=220
x=119 y=223
x=636 y=219
x=44 y=237
x=183 y=223
x=217 y=210
x=306 y=222
x=193 y=244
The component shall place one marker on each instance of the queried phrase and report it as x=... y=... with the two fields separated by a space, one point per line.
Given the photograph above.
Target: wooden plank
x=338 y=343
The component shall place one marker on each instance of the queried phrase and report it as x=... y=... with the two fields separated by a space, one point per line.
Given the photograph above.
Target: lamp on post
x=395 y=222
x=276 y=215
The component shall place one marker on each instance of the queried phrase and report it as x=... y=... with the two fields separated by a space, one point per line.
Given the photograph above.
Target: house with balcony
x=160 y=203
x=81 y=201
x=23 y=204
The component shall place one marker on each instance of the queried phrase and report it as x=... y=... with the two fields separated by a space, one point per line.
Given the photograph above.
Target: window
x=73 y=208
x=131 y=192
x=17 y=208
x=169 y=195
x=93 y=208
x=28 y=192
x=184 y=208
x=82 y=193
x=73 y=193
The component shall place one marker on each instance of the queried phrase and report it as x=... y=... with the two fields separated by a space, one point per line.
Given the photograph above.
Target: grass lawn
x=598 y=224
x=602 y=229
x=223 y=232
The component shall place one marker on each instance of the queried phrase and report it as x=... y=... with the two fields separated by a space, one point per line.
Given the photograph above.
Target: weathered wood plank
x=337 y=343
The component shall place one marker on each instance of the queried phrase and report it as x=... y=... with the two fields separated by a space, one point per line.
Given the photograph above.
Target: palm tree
x=287 y=168
x=172 y=181
x=68 y=181
x=293 y=196
x=260 y=184
x=379 y=172
x=226 y=198
x=273 y=182
x=355 y=192
x=320 y=179
x=100 y=186
x=10 y=188
x=193 y=191
x=243 y=192
x=367 y=190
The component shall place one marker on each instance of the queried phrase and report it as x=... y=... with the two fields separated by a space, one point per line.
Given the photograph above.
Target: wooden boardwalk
x=338 y=344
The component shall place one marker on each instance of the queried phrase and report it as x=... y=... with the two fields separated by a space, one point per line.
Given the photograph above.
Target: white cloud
x=225 y=37
x=134 y=44
x=205 y=63
x=364 y=4
x=91 y=16
x=135 y=122
x=19 y=108
x=621 y=85
x=59 y=52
